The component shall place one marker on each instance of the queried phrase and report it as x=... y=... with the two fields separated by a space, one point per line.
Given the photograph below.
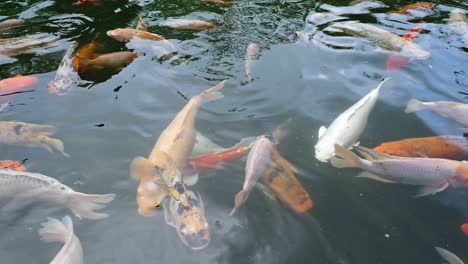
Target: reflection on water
x=280 y=60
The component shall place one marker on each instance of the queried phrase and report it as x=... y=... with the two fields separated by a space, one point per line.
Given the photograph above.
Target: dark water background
x=353 y=220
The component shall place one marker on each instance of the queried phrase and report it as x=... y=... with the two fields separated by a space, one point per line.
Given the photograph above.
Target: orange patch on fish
x=423 y=6
x=16 y=84
x=12 y=164
x=280 y=178
x=396 y=62
x=464 y=228
x=212 y=161
x=446 y=147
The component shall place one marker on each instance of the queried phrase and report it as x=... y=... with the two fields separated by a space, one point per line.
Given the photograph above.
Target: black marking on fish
x=182 y=208
x=18 y=129
x=179 y=187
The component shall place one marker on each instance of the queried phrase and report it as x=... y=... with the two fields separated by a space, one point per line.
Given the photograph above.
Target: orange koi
x=86 y=52
x=419 y=6
x=464 y=228
x=16 y=84
x=211 y=161
x=280 y=178
x=444 y=147
x=396 y=62
x=12 y=164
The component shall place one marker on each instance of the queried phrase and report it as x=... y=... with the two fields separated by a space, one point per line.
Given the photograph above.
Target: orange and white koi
x=62 y=231
x=434 y=175
x=418 y=6
x=396 y=62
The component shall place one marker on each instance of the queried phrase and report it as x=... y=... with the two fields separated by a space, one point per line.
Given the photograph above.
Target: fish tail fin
x=213 y=93
x=140 y=168
x=56 y=231
x=84 y=205
x=414 y=106
x=344 y=158
x=239 y=200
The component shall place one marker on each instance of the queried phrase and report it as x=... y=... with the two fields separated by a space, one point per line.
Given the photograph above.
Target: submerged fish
x=346 y=129
x=363 y=7
x=381 y=38
x=16 y=84
x=258 y=160
x=12 y=165
x=444 y=147
x=30 y=135
x=62 y=231
x=252 y=54
x=396 y=62
x=80 y=3
x=448 y=256
x=66 y=76
x=170 y=154
x=281 y=180
x=321 y=18
x=215 y=160
x=187 y=216
x=190 y=24
x=18 y=189
x=111 y=61
x=10 y=23
x=26 y=44
x=127 y=34
x=204 y=145
x=452 y=110
x=434 y=175
x=458 y=23
x=222 y=3
x=418 y=6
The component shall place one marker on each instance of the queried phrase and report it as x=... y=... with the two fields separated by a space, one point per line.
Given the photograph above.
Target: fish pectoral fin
x=322 y=131
x=190 y=180
x=139 y=166
x=426 y=190
x=370 y=175
x=245 y=142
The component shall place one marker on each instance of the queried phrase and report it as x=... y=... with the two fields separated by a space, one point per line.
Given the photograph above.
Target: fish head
x=412 y=50
x=118 y=34
x=461 y=175
x=324 y=150
x=190 y=222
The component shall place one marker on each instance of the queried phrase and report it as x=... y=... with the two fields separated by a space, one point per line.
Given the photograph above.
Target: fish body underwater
x=452 y=110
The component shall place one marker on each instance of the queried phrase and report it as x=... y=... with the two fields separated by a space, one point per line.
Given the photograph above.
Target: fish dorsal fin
x=358 y=107
x=322 y=131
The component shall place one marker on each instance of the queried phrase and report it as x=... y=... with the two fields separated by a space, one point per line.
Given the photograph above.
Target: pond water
x=109 y=119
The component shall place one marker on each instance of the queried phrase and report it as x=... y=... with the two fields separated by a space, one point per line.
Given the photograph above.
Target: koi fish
x=464 y=228
x=396 y=62
x=211 y=161
x=127 y=34
x=27 y=44
x=16 y=84
x=281 y=180
x=452 y=110
x=221 y=3
x=448 y=256
x=458 y=24
x=18 y=189
x=187 y=216
x=66 y=76
x=381 y=38
x=419 y=6
x=30 y=135
x=170 y=154
x=62 y=231
x=444 y=147
x=434 y=175
x=12 y=165
x=113 y=60
x=362 y=7
x=252 y=54
x=9 y=24
x=258 y=160
x=346 y=129
x=189 y=24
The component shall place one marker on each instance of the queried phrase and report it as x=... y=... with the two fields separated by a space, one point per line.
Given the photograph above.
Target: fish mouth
x=197 y=241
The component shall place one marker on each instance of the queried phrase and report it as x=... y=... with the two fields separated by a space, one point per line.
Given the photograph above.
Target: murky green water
x=106 y=124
